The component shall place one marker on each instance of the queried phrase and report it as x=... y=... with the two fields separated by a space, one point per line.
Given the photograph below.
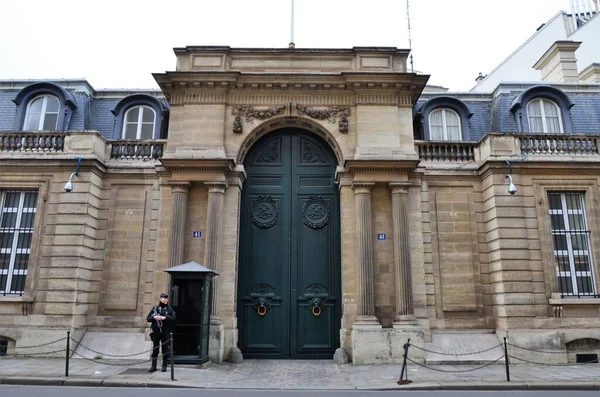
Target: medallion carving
x=264 y=212
x=251 y=113
x=311 y=153
x=315 y=213
x=330 y=114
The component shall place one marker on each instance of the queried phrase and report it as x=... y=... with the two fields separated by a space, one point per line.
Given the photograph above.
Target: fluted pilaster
x=212 y=251
x=402 y=269
x=179 y=191
x=364 y=254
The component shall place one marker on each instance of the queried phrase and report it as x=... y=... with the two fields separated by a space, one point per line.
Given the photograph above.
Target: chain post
x=404 y=370
x=506 y=360
x=67 y=354
x=171 y=356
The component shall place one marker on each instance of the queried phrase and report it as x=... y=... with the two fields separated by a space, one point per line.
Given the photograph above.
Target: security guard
x=162 y=317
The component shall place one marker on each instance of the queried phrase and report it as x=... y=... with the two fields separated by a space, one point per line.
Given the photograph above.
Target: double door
x=289 y=274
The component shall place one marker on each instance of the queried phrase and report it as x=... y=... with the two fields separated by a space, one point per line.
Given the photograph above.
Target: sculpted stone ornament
x=330 y=114
x=251 y=113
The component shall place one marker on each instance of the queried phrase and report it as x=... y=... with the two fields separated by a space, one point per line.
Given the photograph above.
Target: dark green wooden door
x=289 y=275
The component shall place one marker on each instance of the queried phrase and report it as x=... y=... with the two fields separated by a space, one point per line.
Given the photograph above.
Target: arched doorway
x=289 y=295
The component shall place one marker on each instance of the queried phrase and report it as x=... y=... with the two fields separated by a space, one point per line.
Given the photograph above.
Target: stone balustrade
x=32 y=142
x=496 y=146
x=446 y=151
x=563 y=144
x=86 y=144
x=136 y=150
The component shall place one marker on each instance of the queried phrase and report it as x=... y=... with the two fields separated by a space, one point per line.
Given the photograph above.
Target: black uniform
x=161 y=331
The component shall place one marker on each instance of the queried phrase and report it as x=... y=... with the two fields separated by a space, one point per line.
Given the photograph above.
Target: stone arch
x=283 y=122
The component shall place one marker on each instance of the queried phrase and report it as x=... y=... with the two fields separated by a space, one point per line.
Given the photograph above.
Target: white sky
x=119 y=43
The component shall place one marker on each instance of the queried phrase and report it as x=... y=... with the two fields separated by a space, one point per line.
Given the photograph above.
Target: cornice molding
x=196 y=165
x=238 y=88
x=355 y=166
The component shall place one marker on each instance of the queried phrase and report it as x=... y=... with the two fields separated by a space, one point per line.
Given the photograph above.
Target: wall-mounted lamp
x=69 y=184
x=512 y=189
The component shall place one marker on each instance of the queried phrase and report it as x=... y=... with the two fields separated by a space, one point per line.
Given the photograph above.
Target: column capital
x=399 y=187
x=179 y=187
x=216 y=187
x=362 y=187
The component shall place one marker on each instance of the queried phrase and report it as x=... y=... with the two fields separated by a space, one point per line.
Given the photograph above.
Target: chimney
x=559 y=64
x=591 y=74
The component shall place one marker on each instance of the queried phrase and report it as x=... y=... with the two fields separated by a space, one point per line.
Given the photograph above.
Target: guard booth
x=191 y=298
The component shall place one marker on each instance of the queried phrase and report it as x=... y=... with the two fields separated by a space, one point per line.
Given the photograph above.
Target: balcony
x=85 y=144
x=496 y=146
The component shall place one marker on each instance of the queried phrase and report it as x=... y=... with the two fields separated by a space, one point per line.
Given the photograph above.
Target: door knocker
x=261 y=310
x=262 y=306
x=317 y=307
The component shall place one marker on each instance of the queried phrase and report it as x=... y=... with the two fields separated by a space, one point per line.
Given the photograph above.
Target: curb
x=95 y=382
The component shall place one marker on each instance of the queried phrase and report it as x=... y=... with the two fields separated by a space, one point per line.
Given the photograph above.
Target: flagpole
x=292 y=45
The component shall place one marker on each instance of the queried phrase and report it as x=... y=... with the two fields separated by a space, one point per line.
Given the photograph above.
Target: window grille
x=571 y=240
x=17 y=218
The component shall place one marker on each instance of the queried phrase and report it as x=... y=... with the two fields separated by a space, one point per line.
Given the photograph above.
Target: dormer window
x=42 y=114
x=44 y=106
x=444 y=125
x=443 y=119
x=141 y=116
x=542 y=109
x=544 y=116
x=139 y=123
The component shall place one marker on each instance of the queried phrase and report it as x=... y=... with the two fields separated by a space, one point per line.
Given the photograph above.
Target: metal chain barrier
x=551 y=364
x=457 y=354
x=546 y=351
x=456 y=371
x=35 y=355
x=116 y=355
x=113 y=364
x=43 y=344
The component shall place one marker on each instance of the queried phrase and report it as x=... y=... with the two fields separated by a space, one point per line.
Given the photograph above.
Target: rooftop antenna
x=292 y=45
x=412 y=69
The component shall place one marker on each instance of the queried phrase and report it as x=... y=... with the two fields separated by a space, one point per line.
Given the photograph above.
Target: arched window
x=544 y=116
x=543 y=109
x=139 y=123
x=141 y=116
x=444 y=125
x=443 y=118
x=42 y=114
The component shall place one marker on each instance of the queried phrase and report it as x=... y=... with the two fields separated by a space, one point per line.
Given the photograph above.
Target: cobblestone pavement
x=289 y=374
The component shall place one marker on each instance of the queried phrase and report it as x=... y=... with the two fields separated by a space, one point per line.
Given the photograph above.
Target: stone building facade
x=345 y=208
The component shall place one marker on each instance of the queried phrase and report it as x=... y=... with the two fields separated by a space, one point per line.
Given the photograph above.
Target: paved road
x=36 y=391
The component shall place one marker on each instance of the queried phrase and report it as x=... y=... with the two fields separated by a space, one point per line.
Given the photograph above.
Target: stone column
x=179 y=191
x=212 y=250
x=402 y=269
x=364 y=255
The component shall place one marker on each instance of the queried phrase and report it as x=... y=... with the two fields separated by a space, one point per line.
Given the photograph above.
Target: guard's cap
x=163 y=295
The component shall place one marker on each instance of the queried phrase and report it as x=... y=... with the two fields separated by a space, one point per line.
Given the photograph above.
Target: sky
x=120 y=43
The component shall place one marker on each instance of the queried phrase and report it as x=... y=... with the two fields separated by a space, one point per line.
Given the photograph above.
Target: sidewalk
x=299 y=374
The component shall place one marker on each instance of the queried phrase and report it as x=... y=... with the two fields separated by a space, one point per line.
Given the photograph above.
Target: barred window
x=571 y=238
x=17 y=218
